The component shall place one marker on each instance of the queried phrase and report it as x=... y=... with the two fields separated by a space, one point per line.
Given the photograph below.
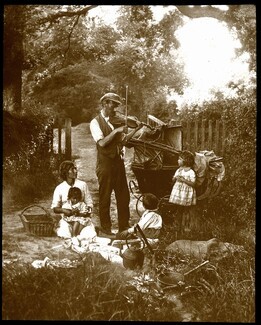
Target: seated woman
x=68 y=173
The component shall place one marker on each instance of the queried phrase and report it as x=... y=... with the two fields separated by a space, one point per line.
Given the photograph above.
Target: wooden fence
x=196 y=135
x=204 y=135
x=62 y=137
x=199 y=134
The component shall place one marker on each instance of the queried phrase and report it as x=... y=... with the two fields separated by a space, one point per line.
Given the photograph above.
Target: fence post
x=59 y=136
x=51 y=139
x=188 y=135
x=196 y=136
x=49 y=134
x=223 y=136
x=217 y=137
x=209 y=134
x=68 y=142
x=203 y=134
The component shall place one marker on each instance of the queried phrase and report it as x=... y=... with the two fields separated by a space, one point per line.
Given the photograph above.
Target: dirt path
x=21 y=246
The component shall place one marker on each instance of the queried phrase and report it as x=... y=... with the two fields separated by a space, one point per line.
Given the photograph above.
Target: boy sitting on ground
x=150 y=221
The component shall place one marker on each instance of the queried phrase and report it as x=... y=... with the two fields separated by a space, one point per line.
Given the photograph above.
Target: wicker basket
x=39 y=224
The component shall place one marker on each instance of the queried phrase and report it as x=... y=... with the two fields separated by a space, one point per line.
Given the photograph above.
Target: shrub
x=29 y=165
x=235 y=205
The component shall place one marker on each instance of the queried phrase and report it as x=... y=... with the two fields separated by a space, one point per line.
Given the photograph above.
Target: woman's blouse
x=60 y=195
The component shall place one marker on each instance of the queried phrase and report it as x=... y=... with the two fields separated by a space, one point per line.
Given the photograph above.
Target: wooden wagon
x=155 y=161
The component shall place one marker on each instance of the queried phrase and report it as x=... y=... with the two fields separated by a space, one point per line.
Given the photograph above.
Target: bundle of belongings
x=210 y=171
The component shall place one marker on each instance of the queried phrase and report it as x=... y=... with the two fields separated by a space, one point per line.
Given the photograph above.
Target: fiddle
x=120 y=119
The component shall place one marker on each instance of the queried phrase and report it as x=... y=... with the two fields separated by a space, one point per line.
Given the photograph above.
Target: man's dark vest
x=112 y=149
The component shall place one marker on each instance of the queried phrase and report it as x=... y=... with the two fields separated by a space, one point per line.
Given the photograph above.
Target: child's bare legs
x=75 y=230
x=193 y=219
x=186 y=219
x=80 y=228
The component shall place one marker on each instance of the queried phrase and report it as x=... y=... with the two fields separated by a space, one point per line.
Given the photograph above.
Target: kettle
x=132 y=259
x=133 y=255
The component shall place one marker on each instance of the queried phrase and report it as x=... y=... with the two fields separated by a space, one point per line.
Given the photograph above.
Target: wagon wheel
x=138 y=197
x=133 y=185
x=139 y=200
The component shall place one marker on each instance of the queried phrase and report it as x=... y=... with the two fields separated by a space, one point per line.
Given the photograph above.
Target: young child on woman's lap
x=80 y=216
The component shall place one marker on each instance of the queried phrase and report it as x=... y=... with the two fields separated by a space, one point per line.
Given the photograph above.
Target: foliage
x=239 y=190
x=27 y=155
x=140 y=53
x=160 y=108
x=246 y=31
x=99 y=293
x=70 y=67
x=240 y=117
x=41 y=40
x=144 y=61
x=134 y=21
x=72 y=92
x=230 y=292
x=99 y=42
x=166 y=31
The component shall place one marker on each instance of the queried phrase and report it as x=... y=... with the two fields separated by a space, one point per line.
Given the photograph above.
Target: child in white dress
x=183 y=192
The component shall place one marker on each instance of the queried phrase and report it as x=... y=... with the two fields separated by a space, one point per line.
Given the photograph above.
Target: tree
x=145 y=57
x=115 y=59
x=14 y=25
x=19 y=22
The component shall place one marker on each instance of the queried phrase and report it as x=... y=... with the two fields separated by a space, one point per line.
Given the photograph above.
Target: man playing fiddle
x=110 y=168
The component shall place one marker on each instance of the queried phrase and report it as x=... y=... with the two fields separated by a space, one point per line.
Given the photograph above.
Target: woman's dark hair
x=188 y=158
x=150 y=201
x=74 y=193
x=64 y=168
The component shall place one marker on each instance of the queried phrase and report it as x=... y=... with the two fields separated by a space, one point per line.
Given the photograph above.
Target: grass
x=228 y=293
x=222 y=291
x=97 y=290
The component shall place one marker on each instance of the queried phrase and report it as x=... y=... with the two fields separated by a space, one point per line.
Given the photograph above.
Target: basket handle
x=35 y=205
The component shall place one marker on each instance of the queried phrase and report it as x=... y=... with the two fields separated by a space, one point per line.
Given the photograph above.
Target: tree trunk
x=12 y=97
x=14 y=19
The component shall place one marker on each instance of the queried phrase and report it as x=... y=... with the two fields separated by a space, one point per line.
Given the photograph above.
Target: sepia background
x=187 y=66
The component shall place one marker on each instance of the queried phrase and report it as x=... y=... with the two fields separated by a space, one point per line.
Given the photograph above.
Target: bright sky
x=207 y=49
x=107 y=13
